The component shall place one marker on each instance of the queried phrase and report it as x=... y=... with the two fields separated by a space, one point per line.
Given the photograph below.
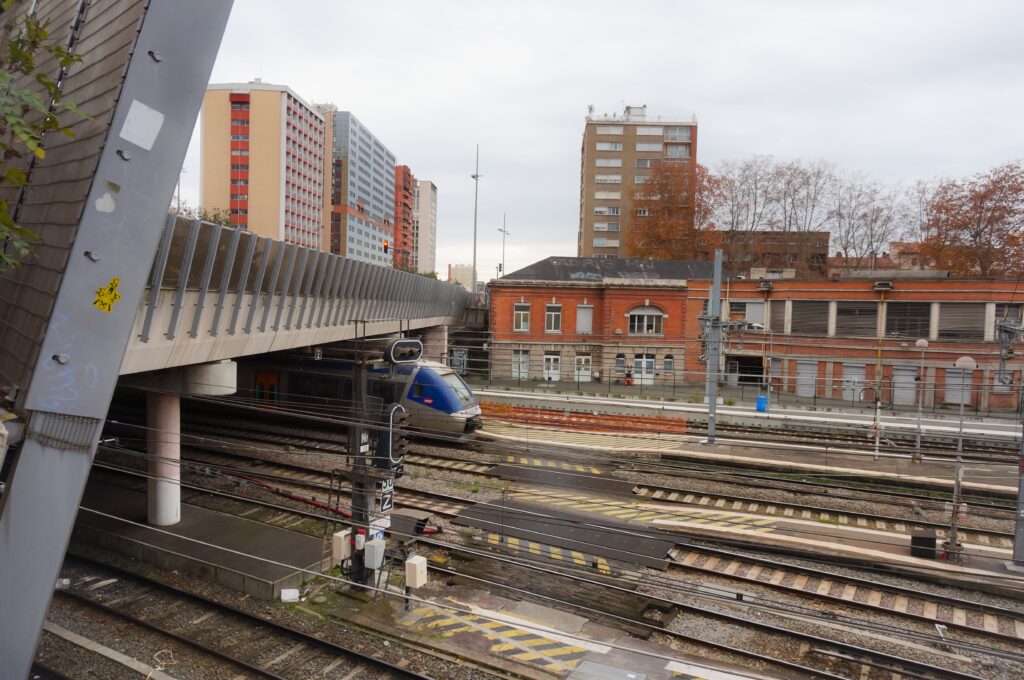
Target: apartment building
x=264 y=160
x=846 y=340
x=362 y=192
x=461 y=274
x=403 y=243
x=618 y=152
x=425 y=227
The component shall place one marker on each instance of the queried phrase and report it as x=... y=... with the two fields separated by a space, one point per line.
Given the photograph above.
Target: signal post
x=376 y=463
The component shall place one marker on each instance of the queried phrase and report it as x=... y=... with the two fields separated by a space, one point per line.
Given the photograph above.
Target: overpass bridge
x=216 y=292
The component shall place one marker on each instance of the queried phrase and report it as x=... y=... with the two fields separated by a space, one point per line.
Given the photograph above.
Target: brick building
x=564 y=318
x=591 y=318
x=405 y=198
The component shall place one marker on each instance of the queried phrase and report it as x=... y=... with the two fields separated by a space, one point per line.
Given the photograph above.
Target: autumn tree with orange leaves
x=674 y=209
x=974 y=226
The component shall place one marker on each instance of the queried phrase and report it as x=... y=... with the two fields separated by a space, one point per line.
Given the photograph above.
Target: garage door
x=806 y=378
x=853 y=382
x=958 y=386
x=904 y=385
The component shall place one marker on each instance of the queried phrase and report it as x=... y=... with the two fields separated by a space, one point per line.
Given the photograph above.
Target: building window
x=606 y=210
x=553 y=319
x=1009 y=313
x=620 y=362
x=521 y=318
x=608 y=195
x=584 y=319
x=810 y=317
x=648 y=146
x=650 y=131
x=644 y=163
x=677 y=151
x=642 y=212
x=908 y=319
x=609 y=129
x=680 y=133
x=606 y=243
x=608 y=179
x=961 y=321
x=641 y=179
x=607 y=226
x=857 y=319
x=669 y=363
x=645 y=321
x=610 y=146
x=608 y=163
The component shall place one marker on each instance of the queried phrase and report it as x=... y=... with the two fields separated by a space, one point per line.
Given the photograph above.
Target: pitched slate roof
x=601 y=268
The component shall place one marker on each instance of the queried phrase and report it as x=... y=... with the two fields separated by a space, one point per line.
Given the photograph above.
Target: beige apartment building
x=618 y=153
x=264 y=160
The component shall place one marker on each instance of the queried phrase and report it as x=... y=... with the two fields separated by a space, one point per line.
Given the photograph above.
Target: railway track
x=255 y=644
x=816 y=656
x=781 y=435
x=861 y=662
x=980 y=619
x=689 y=496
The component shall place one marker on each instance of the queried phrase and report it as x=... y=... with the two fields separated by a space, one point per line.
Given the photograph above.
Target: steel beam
x=153 y=110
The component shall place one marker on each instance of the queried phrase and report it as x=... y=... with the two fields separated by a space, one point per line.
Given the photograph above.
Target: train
x=439 y=402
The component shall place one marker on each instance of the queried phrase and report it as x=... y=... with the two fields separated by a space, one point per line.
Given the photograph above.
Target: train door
x=854 y=382
x=643 y=369
x=552 y=366
x=806 y=378
x=583 y=364
x=904 y=385
x=268 y=385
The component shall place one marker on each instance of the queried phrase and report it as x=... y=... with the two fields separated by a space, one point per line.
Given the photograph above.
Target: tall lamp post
x=922 y=345
x=476 y=193
x=964 y=365
x=504 y=233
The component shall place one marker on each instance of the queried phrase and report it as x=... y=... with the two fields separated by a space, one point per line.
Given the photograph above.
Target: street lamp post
x=922 y=345
x=476 y=193
x=504 y=233
x=952 y=546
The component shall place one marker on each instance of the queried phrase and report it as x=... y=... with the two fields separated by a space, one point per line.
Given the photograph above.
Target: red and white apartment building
x=592 y=319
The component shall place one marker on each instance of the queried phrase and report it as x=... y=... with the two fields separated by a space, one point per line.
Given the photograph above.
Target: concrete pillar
x=990 y=321
x=163 y=444
x=788 y=317
x=435 y=343
x=933 y=322
x=833 y=308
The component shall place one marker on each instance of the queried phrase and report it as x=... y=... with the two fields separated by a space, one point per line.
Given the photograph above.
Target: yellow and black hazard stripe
x=507 y=640
x=562 y=555
x=554 y=465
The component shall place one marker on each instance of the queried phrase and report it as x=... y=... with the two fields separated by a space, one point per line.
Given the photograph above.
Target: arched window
x=645 y=321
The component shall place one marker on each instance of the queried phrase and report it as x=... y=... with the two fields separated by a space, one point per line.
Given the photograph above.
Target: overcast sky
x=899 y=90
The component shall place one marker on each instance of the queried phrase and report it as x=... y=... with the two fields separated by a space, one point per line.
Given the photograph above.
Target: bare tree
x=863 y=218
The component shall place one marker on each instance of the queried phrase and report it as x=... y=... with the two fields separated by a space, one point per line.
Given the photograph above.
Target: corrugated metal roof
x=600 y=268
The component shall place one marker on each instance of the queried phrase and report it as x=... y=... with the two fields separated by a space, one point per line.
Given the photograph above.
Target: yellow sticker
x=107 y=296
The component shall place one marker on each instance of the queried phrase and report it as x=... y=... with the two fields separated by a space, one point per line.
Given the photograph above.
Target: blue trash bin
x=762 y=403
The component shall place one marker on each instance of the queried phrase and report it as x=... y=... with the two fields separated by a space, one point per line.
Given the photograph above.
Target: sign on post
x=387 y=495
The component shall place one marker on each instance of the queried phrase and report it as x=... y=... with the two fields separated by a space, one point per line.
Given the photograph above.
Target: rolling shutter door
x=806 y=378
x=904 y=385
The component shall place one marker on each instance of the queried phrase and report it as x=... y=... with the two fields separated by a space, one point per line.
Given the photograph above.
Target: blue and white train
x=439 y=402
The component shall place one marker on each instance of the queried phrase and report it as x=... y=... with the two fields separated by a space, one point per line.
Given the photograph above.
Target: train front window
x=459 y=385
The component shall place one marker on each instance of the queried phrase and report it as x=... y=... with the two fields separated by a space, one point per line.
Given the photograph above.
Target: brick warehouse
x=593 y=319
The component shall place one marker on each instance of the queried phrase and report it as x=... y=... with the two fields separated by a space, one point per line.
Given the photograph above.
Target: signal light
x=404 y=351
x=387 y=244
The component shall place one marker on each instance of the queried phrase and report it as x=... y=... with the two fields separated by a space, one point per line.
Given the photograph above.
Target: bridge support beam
x=163 y=429
x=163 y=443
x=435 y=343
